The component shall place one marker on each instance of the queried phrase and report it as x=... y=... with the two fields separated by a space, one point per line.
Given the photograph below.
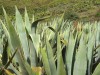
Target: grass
x=53 y=7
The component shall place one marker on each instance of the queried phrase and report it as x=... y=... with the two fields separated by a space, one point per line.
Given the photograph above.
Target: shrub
x=97 y=14
x=71 y=16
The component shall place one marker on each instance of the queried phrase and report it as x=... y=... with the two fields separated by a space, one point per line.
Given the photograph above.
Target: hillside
x=81 y=9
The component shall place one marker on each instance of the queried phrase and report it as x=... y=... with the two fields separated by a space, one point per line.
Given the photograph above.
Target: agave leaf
x=16 y=44
x=98 y=39
x=97 y=70
x=8 y=63
x=66 y=34
x=33 y=55
x=32 y=19
x=52 y=36
x=9 y=48
x=5 y=52
x=28 y=68
x=51 y=58
x=45 y=61
x=35 y=23
x=70 y=52
x=52 y=29
x=15 y=70
x=8 y=72
x=5 y=31
x=90 y=46
x=27 y=22
x=60 y=23
x=60 y=63
x=81 y=59
x=8 y=28
x=36 y=41
x=22 y=33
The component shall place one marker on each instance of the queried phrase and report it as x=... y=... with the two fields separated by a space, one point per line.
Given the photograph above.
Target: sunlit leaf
x=70 y=52
x=60 y=63
x=45 y=61
x=20 y=27
x=8 y=72
x=81 y=59
x=51 y=58
x=97 y=70
x=27 y=22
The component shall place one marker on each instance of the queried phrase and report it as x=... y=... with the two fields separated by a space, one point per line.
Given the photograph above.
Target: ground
x=83 y=9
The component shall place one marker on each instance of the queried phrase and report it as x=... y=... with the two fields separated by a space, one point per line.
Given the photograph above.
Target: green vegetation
x=53 y=47
x=71 y=16
x=98 y=14
x=41 y=8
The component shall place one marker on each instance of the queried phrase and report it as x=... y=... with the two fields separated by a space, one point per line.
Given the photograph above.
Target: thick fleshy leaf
x=81 y=59
x=10 y=60
x=5 y=52
x=33 y=55
x=45 y=61
x=27 y=22
x=12 y=36
x=90 y=46
x=51 y=58
x=36 y=42
x=35 y=24
x=14 y=69
x=60 y=63
x=69 y=52
x=15 y=43
x=22 y=33
x=97 y=70
x=8 y=72
x=97 y=39
x=28 y=68
x=52 y=29
x=59 y=26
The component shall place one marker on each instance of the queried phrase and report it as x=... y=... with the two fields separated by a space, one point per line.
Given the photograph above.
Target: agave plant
x=50 y=48
x=19 y=37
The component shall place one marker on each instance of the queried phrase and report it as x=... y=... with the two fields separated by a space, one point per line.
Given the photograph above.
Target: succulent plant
x=50 y=48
